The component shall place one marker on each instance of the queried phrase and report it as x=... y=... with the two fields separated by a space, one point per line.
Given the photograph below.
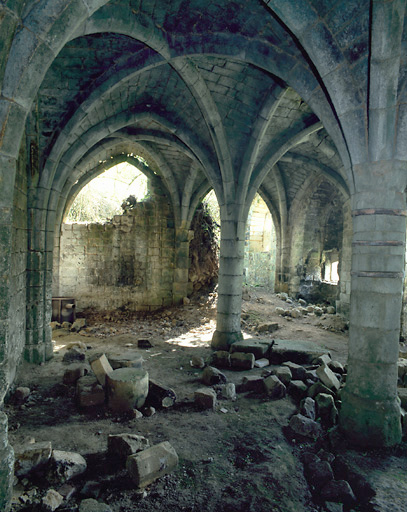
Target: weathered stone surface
x=66 y=465
x=89 y=392
x=229 y=391
x=307 y=408
x=274 y=388
x=330 y=310
x=220 y=359
x=328 y=378
x=297 y=389
x=125 y=361
x=30 y=457
x=242 y=361
x=80 y=323
x=284 y=374
x=152 y=463
x=267 y=327
x=297 y=371
x=205 y=398
x=101 y=368
x=160 y=396
x=127 y=389
x=197 y=362
x=295 y=313
x=402 y=394
x=252 y=383
x=259 y=348
x=324 y=359
x=123 y=445
x=326 y=410
x=91 y=505
x=148 y=411
x=211 y=376
x=55 y=325
x=338 y=491
x=280 y=311
x=261 y=363
x=74 y=354
x=297 y=351
x=52 y=500
x=73 y=372
x=336 y=367
x=306 y=427
x=317 y=388
x=318 y=474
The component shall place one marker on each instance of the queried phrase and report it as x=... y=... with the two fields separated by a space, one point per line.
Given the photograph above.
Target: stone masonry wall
x=128 y=262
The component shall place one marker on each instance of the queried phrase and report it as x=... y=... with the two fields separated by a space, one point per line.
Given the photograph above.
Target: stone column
x=230 y=284
x=370 y=413
x=180 y=287
x=6 y=465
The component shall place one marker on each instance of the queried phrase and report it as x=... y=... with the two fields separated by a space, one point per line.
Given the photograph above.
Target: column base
x=38 y=353
x=370 y=423
x=223 y=340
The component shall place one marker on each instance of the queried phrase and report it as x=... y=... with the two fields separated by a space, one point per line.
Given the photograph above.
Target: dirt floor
x=235 y=458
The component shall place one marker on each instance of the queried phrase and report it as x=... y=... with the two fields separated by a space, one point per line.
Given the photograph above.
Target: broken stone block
x=197 y=362
x=274 y=388
x=284 y=374
x=76 y=344
x=242 y=361
x=148 y=411
x=160 y=396
x=66 y=325
x=261 y=363
x=297 y=351
x=295 y=313
x=152 y=463
x=252 y=383
x=136 y=414
x=74 y=354
x=328 y=377
x=205 y=398
x=330 y=310
x=73 y=372
x=91 y=489
x=127 y=389
x=91 y=505
x=67 y=491
x=305 y=427
x=21 y=394
x=211 y=376
x=280 y=311
x=52 y=500
x=322 y=359
x=55 y=325
x=302 y=302
x=338 y=491
x=89 y=392
x=101 y=368
x=307 y=408
x=297 y=389
x=220 y=359
x=317 y=388
x=310 y=308
x=318 y=474
x=80 y=323
x=297 y=371
x=130 y=361
x=229 y=391
x=122 y=446
x=267 y=327
x=66 y=465
x=318 y=311
x=30 y=457
x=326 y=410
x=258 y=348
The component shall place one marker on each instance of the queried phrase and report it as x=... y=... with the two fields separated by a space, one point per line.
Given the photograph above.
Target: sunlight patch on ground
x=197 y=337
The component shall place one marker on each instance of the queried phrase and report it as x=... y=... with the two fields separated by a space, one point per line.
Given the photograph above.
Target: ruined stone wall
x=128 y=262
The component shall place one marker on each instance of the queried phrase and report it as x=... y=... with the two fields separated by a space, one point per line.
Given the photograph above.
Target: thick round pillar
x=370 y=413
x=230 y=285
